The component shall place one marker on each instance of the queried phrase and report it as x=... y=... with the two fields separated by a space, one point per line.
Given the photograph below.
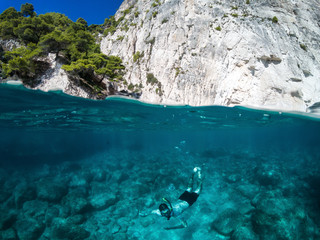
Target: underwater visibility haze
x=74 y=168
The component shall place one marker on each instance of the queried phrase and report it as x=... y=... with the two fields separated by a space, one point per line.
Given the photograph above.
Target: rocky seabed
x=245 y=196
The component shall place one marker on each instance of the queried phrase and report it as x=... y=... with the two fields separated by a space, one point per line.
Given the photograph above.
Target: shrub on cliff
x=97 y=66
x=21 y=62
x=275 y=19
x=137 y=56
x=151 y=79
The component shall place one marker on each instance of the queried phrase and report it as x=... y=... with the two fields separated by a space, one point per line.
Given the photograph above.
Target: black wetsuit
x=189 y=197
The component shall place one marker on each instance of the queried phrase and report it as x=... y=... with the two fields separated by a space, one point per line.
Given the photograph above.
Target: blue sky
x=93 y=11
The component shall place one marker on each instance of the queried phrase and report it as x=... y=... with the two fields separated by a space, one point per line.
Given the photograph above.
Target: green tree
x=82 y=22
x=56 y=19
x=10 y=13
x=27 y=10
x=97 y=66
x=84 y=41
x=82 y=67
x=112 y=68
x=31 y=29
x=54 y=42
x=21 y=61
x=7 y=28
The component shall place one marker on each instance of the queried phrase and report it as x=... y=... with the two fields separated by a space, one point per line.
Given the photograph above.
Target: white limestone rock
x=205 y=52
x=56 y=79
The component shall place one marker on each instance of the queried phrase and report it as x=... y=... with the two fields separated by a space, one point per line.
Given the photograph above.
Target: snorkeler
x=168 y=209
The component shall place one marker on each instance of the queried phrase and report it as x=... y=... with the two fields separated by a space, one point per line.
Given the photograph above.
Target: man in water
x=168 y=209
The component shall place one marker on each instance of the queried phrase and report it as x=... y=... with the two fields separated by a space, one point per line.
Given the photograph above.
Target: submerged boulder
x=227 y=222
x=77 y=201
x=51 y=213
x=7 y=218
x=244 y=233
x=29 y=228
x=99 y=174
x=268 y=175
x=22 y=193
x=9 y=234
x=50 y=190
x=103 y=201
x=101 y=196
x=63 y=229
x=35 y=209
x=277 y=217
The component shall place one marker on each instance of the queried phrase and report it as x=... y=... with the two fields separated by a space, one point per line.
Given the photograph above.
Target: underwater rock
x=227 y=222
x=146 y=221
x=7 y=218
x=64 y=210
x=272 y=203
x=248 y=190
x=115 y=228
x=51 y=191
x=244 y=233
x=62 y=229
x=101 y=196
x=120 y=236
x=4 y=195
x=276 y=216
x=29 y=228
x=123 y=177
x=124 y=223
x=281 y=227
x=99 y=175
x=76 y=219
x=149 y=202
x=267 y=176
x=233 y=178
x=103 y=201
x=35 y=209
x=23 y=193
x=76 y=201
x=78 y=181
x=9 y=234
x=99 y=188
x=51 y=213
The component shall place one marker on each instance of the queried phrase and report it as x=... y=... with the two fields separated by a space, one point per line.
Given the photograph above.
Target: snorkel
x=166 y=208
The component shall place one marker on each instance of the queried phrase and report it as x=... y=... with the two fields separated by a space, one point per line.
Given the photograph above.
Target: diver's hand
x=184 y=224
x=143 y=213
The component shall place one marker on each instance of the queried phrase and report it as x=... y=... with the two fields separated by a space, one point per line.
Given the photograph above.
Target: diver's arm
x=147 y=213
x=156 y=212
x=182 y=225
x=183 y=222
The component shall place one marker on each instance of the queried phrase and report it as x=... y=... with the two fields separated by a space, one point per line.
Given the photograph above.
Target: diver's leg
x=199 y=188
x=199 y=181
x=190 y=184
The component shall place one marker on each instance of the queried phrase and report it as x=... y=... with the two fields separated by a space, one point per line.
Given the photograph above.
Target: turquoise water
x=74 y=168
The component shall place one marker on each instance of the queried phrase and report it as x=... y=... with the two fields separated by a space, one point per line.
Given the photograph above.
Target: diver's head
x=165 y=210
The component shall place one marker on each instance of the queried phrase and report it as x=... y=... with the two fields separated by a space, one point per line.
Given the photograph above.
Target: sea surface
x=73 y=168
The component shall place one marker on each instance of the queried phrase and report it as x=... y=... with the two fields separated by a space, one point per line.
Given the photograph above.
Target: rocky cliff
x=259 y=53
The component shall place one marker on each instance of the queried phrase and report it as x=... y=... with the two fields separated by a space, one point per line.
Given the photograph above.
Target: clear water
x=147 y=152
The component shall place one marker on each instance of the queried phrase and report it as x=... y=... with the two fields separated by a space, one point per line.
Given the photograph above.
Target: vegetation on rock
x=275 y=19
x=151 y=79
x=137 y=56
x=39 y=35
